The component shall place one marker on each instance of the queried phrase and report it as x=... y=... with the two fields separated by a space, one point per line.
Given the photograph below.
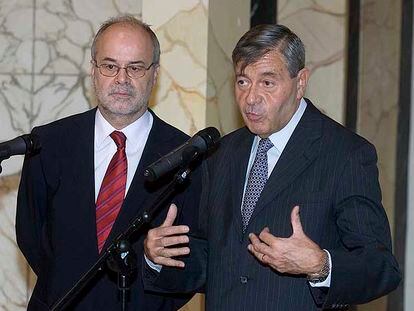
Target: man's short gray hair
x=131 y=21
x=263 y=39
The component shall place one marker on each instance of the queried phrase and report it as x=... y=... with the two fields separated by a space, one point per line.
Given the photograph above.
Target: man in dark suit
x=87 y=183
x=291 y=203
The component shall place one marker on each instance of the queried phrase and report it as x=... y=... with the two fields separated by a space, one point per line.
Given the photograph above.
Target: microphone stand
x=119 y=255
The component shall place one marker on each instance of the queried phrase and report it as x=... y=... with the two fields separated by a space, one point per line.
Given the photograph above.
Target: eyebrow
x=109 y=59
x=263 y=74
x=270 y=74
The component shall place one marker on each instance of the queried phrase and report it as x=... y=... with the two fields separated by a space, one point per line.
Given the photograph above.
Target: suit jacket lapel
x=238 y=171
x=298 y=154
x=83 y=162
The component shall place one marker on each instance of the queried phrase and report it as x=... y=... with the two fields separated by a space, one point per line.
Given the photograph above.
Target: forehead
x=270 y=63
x=124 y=41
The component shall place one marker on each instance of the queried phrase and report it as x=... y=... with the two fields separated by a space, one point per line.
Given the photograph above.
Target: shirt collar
x=134 y=132
x=281 y=138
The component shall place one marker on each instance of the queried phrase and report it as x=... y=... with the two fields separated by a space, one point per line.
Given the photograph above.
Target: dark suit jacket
x=55 y=224
x=331 y=174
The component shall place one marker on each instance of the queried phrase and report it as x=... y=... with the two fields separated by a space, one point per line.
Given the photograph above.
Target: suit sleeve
x=192 y=278
x=363 y=268
x=31 y=210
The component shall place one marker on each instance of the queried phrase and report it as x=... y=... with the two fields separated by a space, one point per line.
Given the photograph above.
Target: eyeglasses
x=133 y=71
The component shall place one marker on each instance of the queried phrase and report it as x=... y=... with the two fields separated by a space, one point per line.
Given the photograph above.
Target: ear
x=93 y=70
x=156 y=72
x=302 y=82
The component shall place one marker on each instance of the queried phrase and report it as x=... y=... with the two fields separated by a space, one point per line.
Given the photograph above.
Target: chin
x=254 y=130
x=253 y=127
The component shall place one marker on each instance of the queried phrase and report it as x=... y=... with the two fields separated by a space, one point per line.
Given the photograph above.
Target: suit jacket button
x=243 y=279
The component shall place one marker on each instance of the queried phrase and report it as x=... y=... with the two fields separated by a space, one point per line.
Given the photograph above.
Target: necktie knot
x=264 y=145
x=119 y=139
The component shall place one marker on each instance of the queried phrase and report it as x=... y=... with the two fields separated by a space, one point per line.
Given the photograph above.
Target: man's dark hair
x=262 y=39
x=131 y=21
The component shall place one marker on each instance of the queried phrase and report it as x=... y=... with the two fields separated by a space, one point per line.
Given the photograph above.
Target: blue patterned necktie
x=256 y=181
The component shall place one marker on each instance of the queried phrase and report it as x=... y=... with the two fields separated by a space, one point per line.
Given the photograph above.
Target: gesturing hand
x=295 y=255
x=158 y=241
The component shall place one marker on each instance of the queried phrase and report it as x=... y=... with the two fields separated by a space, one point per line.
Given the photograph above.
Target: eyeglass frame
x=95 y=63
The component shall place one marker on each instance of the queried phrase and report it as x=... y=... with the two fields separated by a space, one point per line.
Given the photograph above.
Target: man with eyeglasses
x=87 y=183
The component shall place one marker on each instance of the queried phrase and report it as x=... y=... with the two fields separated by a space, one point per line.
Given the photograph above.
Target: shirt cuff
x=152 y=265
x=327 y=282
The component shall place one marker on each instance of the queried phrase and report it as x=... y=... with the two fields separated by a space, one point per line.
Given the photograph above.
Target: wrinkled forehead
x=134 y=33
x=271 y=61
x=125 y=41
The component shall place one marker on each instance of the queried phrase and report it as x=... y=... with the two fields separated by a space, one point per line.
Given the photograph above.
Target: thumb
x=171 y=215
x=295 y=220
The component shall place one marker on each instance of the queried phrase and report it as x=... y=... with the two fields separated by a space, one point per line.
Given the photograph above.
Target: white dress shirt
x=279 y=141
x=104 y=146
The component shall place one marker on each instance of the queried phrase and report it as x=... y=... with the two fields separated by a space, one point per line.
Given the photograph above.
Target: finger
x=173 y=252
x=171 y=215
x=169 y=262
x=161 y=232
x=266 y=237
x=295 y=220
x=264 y=258
x=254 y=239
x=258 y=246
x=255 y=253
x=262 y=248
x=174 y=240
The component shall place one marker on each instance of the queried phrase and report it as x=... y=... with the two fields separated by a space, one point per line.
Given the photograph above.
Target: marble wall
x=197 y=38
x=378 y=102
x=378 y=96
x=322 y=26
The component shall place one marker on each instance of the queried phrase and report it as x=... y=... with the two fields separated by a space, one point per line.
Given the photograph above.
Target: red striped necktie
x=112 y=192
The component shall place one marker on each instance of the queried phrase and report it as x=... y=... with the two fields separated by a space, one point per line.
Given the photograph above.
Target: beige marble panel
x=228 y=21
x=195 y=86
x=378 y=95
x=16 y=278
x=321 y=25
x=181 y=27
x=379 y=85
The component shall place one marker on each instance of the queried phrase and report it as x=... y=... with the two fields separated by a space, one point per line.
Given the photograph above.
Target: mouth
x=121 y=94
x=253 y=117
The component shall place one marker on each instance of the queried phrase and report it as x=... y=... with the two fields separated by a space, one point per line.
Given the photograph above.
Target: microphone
x=197 y=145
x=25 y=144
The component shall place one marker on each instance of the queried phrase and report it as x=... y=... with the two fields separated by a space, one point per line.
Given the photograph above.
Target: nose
x=122 y=76
x=253 y=96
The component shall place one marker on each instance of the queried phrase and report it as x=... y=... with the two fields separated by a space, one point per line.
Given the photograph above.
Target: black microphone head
x=32 y=143
x=210 y=136
x=25 y=144
x=197 y=145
